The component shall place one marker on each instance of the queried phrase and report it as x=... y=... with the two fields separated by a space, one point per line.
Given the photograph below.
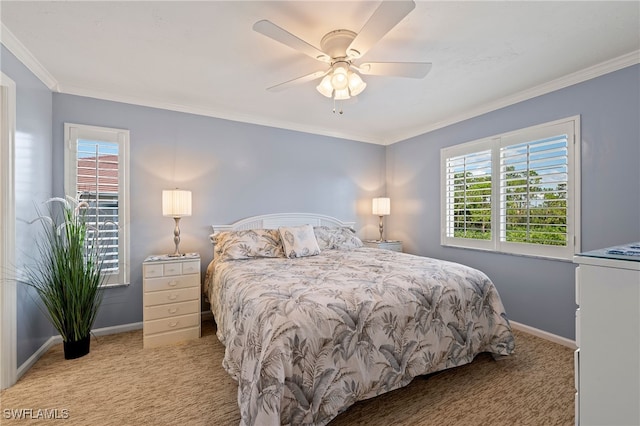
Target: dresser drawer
x=169 y=283
x=171 y=310
x=578 y=327
x=172 y=323
x=191 y=267
x=179 y=268
x=152 y=271
x=171 y=296
x=181 y=335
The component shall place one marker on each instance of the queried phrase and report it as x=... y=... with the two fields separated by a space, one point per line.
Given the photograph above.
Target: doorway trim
x=8 y=296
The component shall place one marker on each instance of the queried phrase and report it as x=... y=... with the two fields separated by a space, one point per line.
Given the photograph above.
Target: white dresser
x=171 y=299
x=607 y=362
x=393 y=245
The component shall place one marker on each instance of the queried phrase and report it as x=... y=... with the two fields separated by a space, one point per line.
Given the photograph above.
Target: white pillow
x=299 y=241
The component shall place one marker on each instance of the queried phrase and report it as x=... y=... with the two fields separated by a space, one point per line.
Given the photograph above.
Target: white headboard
x=273 y=221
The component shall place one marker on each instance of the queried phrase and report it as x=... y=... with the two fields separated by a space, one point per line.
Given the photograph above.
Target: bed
x=311 y=329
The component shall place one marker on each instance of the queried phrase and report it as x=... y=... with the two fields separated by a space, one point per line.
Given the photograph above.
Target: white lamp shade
x=339 y=78
x=381 y=206
x=341 y=95
x=176 y=202
x=356 y=85
x=325 y=86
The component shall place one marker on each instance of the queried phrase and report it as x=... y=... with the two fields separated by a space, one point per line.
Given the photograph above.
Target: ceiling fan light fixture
x=339 y=77
x=341 y=95
x=325 y=87
x=356 y=85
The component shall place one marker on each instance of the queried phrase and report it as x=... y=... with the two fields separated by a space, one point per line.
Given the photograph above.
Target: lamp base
x=176 y=239
x=381 y=227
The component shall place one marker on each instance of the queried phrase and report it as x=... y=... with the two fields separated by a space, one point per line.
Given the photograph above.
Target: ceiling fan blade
x=279 y=34
x=397 y=69
x=296 y=81
x=386 y=16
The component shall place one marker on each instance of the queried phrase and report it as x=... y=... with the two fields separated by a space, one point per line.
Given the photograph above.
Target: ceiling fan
x=341 y=50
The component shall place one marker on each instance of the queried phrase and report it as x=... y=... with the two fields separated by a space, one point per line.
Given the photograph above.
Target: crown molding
x=23 y=54
x=624 y=61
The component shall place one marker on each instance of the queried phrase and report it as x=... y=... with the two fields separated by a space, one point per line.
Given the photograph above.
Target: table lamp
x=381 y=207
x=176 y=203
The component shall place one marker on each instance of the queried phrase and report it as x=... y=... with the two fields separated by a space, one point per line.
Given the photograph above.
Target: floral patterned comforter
x=306 y=338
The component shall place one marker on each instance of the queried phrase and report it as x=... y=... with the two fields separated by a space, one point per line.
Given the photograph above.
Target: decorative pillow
x=324 y=236
x=346 y=239
x=299 y=241
x=234 y=245
x=341 y=238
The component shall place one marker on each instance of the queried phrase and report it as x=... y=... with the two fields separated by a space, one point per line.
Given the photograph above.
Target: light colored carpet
x=119 y=383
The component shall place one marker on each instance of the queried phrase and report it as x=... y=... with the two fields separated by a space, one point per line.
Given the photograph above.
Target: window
x=514 y=193
x=96 y=171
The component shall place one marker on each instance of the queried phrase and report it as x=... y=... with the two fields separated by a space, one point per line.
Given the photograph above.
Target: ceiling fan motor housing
x=335 y=44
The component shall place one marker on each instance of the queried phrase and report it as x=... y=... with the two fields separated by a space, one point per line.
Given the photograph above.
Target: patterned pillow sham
x=299 y=241
x=341 y=238
x=235 y=245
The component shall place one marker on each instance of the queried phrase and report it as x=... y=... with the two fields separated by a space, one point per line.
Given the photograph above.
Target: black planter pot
x=77 y=348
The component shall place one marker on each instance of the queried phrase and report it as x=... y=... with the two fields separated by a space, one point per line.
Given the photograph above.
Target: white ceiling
x=203 y=57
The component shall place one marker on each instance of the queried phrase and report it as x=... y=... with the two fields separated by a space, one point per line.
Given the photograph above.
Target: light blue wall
x=234 y=170
x=539 y=293
x=33 y=165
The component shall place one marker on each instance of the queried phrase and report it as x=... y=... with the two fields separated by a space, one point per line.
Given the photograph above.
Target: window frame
x=570 y=125
x=74 y=132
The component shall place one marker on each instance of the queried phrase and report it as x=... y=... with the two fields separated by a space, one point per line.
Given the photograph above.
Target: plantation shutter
x=96 y=172
x=468 y=198
x=97 y=184
x=533 y=191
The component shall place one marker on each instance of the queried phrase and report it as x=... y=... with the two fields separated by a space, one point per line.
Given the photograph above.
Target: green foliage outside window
x=535 y=213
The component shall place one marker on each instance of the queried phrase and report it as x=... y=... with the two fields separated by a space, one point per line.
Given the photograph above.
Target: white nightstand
x=171 y=299
x=393 y=245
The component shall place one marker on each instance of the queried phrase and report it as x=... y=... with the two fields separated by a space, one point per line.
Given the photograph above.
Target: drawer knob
x=173 y=283
x=173 y=297
x=173 y=310
x=173 y=324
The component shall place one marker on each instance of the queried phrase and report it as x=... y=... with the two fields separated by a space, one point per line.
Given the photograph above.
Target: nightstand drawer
x=173 y=323
x=169 y=283
x=171 y=310
x=152 y=271
x=174 y=268
x=169 y=337
x=171 y=296
x=179 y=268
x=191 y=267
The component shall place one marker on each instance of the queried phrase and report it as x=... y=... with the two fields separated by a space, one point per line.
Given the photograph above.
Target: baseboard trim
x=36 y=355
x=544 y=334
x=54 y=340
x=117 y=329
